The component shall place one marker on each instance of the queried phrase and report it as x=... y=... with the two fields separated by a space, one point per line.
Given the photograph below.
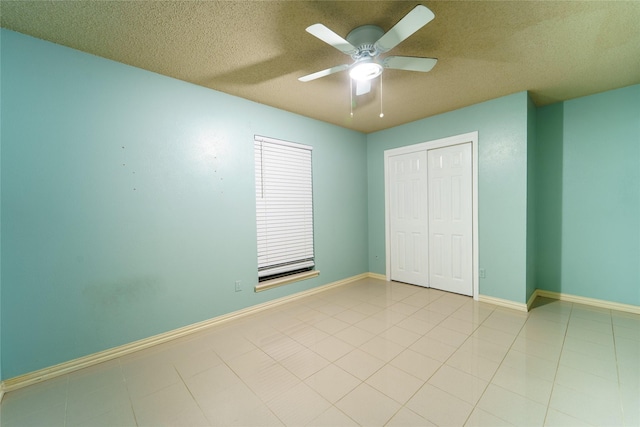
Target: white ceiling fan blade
x=363 y=87
x=412 y=22
x=323 y=73
x=329 y=37
x=409 y=63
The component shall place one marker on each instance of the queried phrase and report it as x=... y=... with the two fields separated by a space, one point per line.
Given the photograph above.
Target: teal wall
x=502 y=186
x=532 y=205
x=128 y=204
x=128 y=200
x=0 y=219
x=598 y=218
x=549 y=154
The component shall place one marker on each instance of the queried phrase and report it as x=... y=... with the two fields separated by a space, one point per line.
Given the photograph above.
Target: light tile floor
x=370 y=353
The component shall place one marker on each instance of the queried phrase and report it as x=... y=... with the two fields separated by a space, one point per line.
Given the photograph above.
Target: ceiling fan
x=366 y=43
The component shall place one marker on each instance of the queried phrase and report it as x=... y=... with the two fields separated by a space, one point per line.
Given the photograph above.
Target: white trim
x=282 y=142
x=113 y=353
x=476 y=224
x=610 y=305
x=520 y=306
x=593 y=302
x=532 y=298
x=274 y=283
x=378 y=276
x=471 y=137
x=284 y=207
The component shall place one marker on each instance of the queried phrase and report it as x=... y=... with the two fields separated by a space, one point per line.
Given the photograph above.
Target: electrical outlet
x=238 y=287
x=482 y=273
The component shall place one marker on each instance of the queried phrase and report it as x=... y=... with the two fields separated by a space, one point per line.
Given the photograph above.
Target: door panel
x=408 y=217
x=450 y=219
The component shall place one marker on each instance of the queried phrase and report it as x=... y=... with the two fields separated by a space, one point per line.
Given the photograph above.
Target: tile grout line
x=377 y=370
x=66 y=403
x=445 y=362
x=615 y=355
x=404 y=405
x=124 y=377
x=489 y=382
x=308 y=323
x=333 y=363
x=553 y=382
x=277 y=362
x=497 y=320
x=133 y=412
x=190 y=394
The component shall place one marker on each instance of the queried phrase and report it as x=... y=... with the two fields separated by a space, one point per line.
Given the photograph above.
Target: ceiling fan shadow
x=288 y=49
x=256 y=73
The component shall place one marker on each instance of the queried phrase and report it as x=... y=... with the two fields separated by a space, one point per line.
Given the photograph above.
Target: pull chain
x=351 y=95
x=381 y=113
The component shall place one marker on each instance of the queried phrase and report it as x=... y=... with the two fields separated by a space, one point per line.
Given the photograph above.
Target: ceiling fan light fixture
x=365 y=70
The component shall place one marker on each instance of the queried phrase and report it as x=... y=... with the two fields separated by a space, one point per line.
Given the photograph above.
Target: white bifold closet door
x=431 y=218
x=450 y=219
x=408 y=214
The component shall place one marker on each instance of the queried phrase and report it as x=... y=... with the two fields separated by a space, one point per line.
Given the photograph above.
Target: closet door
x=450 y=219
x=408 y=217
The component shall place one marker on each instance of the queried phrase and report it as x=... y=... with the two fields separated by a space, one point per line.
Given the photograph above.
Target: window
x=284 y=208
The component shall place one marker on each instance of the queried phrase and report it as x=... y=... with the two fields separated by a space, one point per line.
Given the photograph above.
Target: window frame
x=284 y=211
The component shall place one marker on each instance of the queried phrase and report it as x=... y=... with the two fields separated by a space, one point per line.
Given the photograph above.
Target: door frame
x=471 y=137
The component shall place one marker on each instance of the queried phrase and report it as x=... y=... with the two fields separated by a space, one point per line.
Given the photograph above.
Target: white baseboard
x=113 y=353
x=503 y=303
x=610 y=305
x=377 y=276
x=532 y=298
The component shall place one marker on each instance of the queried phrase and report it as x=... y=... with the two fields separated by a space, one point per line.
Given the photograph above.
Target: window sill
x=274 y=283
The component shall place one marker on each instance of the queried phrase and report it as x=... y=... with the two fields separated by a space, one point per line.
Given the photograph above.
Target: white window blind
x=284 y=207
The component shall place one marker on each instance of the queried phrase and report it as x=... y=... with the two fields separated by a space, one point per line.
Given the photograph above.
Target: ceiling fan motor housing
x=364 y=39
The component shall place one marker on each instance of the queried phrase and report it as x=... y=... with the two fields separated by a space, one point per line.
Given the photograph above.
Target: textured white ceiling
x=257 y=49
